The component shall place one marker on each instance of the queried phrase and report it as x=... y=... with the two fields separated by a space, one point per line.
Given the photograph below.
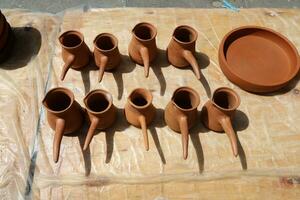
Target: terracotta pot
x=64 y=115
x=4 y=35
x=142 y=47
x=101 y=112
x=106 y=53
x=181 y=113
x=258 y=59
x=181 y=50
x=217 y=113
x=139 y=111
x=75 y=52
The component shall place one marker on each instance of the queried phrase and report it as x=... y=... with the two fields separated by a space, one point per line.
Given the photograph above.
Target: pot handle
x=143 y=124
x=145 y=57
x=227 y=127
x=59 y=132
x=90 y=133
x=190 y=58
x=66 y=67
x=184 y=129
x=102 y=65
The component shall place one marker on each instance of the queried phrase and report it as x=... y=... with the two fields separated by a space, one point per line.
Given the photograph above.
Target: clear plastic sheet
x=116 y=166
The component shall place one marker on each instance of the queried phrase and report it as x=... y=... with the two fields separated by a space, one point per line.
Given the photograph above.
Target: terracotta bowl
x=258 y=59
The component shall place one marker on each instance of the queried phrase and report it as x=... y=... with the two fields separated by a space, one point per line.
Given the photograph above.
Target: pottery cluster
x=6 y=38
x=65 y=115
x=181 y=113
x=142 y=49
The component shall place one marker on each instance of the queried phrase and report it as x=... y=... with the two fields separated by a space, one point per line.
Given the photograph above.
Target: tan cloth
x=268 y=127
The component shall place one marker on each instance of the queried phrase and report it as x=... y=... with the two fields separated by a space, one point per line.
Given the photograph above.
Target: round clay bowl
x=258 y=59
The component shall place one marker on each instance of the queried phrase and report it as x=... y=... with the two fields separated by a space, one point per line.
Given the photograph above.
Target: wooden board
x=116 y=166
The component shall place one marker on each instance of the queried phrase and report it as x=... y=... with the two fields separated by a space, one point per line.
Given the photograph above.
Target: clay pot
x=106 y=53
x=64 y=115
x=181 y=113
x=142 y=47
x=75 y=52
x=181 y=50
x=101 y=112
x=258 y=59
x=139 y=111
x=217 y=113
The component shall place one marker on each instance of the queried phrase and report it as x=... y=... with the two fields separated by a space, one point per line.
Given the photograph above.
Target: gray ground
x=55 y=6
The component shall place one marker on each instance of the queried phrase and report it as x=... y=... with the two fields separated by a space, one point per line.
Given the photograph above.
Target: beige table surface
x=116 y=166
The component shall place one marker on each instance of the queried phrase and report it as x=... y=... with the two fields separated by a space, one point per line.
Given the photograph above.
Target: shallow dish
x=258 y=59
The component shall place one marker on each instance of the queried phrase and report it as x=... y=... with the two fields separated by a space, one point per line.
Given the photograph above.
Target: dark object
x=6 y=38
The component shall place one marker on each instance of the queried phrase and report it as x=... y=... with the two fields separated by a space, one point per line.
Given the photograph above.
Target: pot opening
x=184 y=34
x=140 y=97
x=97 y=102
x=71 y=40
x=185 y=99
x=144 y=32
x=58 y=101
x=225 y=99
x=139 y=101
x=105 y=42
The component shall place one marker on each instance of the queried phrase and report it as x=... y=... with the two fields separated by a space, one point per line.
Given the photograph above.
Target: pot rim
x=152 y=27
x=77 y=33
x=66 y=91
x=189 y=28
x=229 y=91
x=107 y=95
x=114 y=38
x=138 y=90
x=191 y=91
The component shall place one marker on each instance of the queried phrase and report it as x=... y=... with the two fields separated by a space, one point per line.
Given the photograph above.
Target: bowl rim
x=263 y=87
